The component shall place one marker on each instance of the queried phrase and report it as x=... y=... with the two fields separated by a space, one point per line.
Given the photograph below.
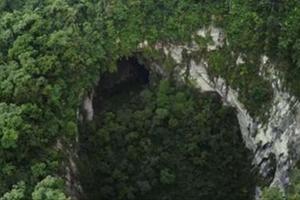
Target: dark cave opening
x=131 y=76
x=123 y=149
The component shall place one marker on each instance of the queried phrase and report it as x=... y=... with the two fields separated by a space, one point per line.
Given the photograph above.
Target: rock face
x=274 y=142
x=71 y=173
x=267 y=140
x=88 y=107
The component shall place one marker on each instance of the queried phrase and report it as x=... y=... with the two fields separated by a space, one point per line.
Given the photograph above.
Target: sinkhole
x=154 y=139
x=131 y=76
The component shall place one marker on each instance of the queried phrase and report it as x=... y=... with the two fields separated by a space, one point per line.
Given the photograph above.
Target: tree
x=272 y=194
x=50 y=188
x=164 y=142
x=292 y=192
x=16 y=193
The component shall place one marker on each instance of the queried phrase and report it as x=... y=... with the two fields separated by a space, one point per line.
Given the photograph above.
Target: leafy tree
x=17 y=192
x=164 y=143
x=49 y=189
x=292 y=192
x=53 y=52
x=272 y=194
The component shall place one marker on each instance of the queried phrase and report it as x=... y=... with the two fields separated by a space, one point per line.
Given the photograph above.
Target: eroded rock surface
x=274 y=141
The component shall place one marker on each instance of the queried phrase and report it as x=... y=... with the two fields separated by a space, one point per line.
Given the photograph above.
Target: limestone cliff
x=274 y=141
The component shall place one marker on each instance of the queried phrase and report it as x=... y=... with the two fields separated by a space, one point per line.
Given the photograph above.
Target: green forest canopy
x=167 y=143
x=53 y=51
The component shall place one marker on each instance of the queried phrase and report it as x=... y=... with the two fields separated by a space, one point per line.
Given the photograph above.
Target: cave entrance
x=130 y=77
x=160 y=140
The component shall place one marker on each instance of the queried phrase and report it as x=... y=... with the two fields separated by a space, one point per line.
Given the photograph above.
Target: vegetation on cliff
x=167 y=143
x=53 y=51
x=293 y=192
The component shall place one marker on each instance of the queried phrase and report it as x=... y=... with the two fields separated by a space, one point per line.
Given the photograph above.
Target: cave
x=148 y=135
x=131 y=76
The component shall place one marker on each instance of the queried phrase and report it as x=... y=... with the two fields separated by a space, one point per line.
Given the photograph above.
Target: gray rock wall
x=275 y=143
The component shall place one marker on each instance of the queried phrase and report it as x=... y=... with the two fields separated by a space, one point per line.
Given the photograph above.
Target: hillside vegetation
x=52 y=52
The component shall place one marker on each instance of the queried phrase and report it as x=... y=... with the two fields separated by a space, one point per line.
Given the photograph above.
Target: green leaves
x=244 y=29
x=11 y=123
x=292 y=192
x=272 y=194
x=9 y=139
x=164 y=142
x=17 y=192
x=166 y=177
x=50 y=188
x=52 y=51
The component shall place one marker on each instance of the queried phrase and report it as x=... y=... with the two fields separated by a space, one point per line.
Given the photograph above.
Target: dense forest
x=164 y=142
x=159 y=140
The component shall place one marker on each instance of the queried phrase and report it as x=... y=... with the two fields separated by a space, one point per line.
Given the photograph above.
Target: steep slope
x=274 y=138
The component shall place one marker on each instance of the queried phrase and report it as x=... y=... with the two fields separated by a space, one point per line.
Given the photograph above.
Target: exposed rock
x=71 y=173
x=279 y=137
x=88 y=107
x=274 y=142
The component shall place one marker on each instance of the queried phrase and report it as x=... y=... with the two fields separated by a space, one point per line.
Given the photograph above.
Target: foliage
x=254 y=91
x=43 y=54
x=272 y=194
x=49 y=189
x=267 y=27
x=17 y=192
x=165 y=143
x=53 y=51
x=293 y=190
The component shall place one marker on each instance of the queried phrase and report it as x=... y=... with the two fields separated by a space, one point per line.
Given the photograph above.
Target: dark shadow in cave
x=115 y=89
x=131 y=76
x=103 y=151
